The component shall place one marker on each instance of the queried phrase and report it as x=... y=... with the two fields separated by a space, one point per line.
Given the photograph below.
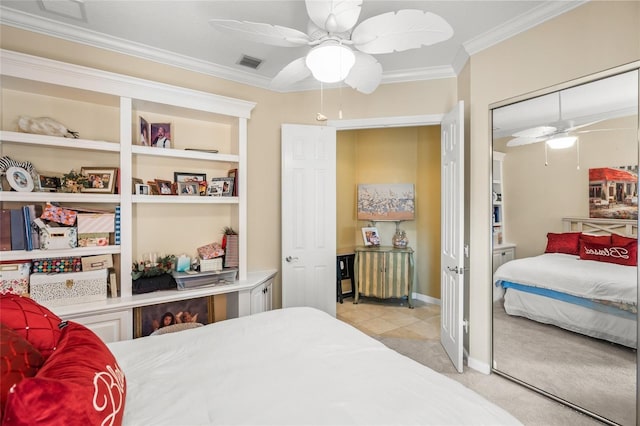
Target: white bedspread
x=292 y=366
x=569 y=274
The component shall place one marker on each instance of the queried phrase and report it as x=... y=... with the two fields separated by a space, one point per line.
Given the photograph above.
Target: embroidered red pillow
x=622 y=240
x=79 y=384
x=567 y=242
x=598 y=239
x=622 y=255
x=18 y=360
x=37 y=324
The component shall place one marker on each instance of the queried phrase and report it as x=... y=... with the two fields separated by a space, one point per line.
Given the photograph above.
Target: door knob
x=290 y=259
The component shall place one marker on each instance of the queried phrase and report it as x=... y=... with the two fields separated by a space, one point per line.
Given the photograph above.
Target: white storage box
x=69 y=288
x=14 y=278
x=208 y=265
x=186 y=280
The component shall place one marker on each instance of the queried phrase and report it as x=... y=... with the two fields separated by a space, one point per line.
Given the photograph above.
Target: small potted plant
x=148 y=277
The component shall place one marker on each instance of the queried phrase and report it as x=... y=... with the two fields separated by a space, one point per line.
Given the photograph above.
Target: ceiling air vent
x=250 y=62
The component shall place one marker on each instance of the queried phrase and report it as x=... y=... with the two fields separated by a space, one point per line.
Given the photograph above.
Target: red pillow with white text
x=611 y=253
x=18 y=360
x=567 y=242
x=35 y=323
x=598 y=239
x=79 y=384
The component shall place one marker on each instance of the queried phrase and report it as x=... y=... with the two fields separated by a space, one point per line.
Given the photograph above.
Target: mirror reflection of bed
x=565 y=309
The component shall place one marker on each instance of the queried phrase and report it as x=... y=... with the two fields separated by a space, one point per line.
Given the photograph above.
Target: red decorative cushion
x=622 y=255
x=598 y=239
x=79 y=384
x=567 y=242
x=34 y=322
x=18 y=360
x=621 y=240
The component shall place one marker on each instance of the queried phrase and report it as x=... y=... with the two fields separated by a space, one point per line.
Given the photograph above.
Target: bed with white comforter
x=291 y=366
x=597 y=299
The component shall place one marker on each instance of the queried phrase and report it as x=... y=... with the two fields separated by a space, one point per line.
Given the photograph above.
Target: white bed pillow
x=176 y=327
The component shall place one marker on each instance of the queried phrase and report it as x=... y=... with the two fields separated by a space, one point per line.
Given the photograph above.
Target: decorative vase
x=400 y=239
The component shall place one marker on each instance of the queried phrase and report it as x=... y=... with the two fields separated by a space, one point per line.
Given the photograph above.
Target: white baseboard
x=425 y=298
x=480 y=367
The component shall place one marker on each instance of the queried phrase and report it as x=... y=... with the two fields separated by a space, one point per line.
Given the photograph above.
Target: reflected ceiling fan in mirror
x=340 y=49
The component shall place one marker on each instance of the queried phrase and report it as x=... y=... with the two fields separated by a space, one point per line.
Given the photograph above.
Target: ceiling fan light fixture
x=330 y=61
x=562 y=141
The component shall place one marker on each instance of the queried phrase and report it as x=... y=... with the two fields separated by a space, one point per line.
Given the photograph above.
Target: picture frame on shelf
x=48 y=183
x=183 y=314
x=370 y=236
x=19 y=179
x=189 y=188
x=142 y=189
x=143 y=136
x=233 y=173
x=189 y=177
x=134 y=183
x=153 y=187
x=223 y=185
x=161 y=135
x=164 y=187
x=214 y=189
x=101 y=179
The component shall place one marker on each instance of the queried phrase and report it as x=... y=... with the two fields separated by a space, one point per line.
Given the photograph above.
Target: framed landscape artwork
x=386 y=202
x=613 y=192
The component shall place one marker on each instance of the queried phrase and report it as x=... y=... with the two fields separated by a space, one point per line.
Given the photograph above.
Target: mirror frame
x=565 y=85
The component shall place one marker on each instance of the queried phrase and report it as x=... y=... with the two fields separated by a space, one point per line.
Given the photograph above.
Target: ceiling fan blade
x=274 y=35
x=366 y=74
x=399 y=31
x=335 y=16
x=292 y=73
x=604 y=130
x=523 y=140
x=536 y=132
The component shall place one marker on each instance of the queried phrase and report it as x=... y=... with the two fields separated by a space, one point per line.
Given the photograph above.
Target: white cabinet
x=110 y=327
x=106 y=108
x=261 y=297
x=503 y=254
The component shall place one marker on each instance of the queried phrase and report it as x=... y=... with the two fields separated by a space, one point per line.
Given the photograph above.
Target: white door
x=452 y=240
x=309 y=217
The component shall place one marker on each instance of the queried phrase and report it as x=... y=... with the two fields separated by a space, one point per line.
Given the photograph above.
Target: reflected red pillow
x=611 y=253
x=598 y=239
x=622 y=240
x=567 y=242
x=79 y=384
x=37 y=324
x=18 y=360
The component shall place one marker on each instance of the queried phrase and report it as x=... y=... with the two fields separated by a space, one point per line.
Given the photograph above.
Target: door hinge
x=465 y=326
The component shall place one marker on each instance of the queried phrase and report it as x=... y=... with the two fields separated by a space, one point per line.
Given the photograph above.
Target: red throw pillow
x=598 y=239
x=567 y=242
x=621 y=240
x=79 y=384
x=34 y=322
x=611 y=253
x=18 y=360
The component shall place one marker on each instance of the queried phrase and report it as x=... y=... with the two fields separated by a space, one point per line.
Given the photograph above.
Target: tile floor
x=392 y=318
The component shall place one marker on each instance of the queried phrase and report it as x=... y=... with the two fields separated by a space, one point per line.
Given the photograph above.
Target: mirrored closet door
x=565 y=203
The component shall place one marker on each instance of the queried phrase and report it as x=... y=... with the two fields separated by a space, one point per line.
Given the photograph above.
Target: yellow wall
x=394 y=155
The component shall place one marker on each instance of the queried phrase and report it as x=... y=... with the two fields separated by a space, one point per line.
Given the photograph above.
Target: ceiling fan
x=340 y=49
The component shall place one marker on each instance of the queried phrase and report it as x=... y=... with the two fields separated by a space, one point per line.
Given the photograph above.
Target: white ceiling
x=177 y=32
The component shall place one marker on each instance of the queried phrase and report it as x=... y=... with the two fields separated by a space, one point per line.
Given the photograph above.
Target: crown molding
x=519 y=24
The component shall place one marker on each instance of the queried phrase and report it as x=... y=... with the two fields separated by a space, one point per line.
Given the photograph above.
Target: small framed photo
x=161 y=135
x=48 y=183
x=19 y=179
x=224 y=185
x=142 y=189
x=101 y=179
x=173 y=316
x=233 y=173
x=143 y=138
x=189 y=188
x=189 y=177
x=164 y=187
x=370 y=236
x=215 y=188
x=134 y=182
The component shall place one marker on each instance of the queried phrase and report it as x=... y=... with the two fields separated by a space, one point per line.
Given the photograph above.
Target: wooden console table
x=384 y=272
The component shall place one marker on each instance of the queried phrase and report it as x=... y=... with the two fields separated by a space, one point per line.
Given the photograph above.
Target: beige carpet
x=531 y=408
